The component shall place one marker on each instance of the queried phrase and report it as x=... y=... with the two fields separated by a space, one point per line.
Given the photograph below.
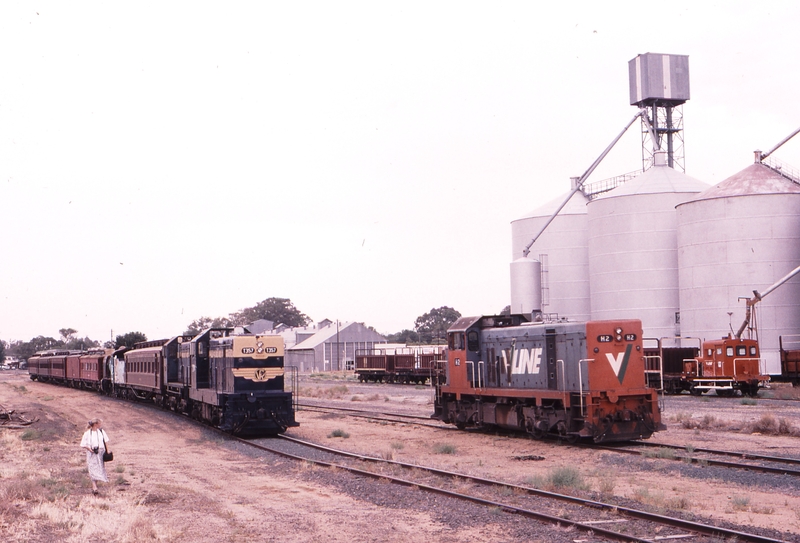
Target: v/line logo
x=523 y=361
x=529 y=361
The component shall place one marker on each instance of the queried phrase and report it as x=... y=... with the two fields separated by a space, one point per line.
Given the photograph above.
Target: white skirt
x=97 y=468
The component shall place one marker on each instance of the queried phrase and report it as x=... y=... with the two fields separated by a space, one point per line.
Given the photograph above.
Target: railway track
x=701 y=456
x=609 y=521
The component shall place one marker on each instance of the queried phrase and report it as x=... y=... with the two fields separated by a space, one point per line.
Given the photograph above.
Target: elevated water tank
x=633 y=250
x=562 y=251
x=738 y=236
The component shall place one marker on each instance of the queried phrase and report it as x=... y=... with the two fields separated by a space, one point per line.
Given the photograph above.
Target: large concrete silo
x=633 y=250
x=738 y=236
x=562 y=251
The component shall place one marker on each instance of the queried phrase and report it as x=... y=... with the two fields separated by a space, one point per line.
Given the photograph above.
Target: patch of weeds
x=119 y=468
x=30 y=434
x=397 y=445
x=762 y=510
x=607 y=484
x=679 y=503
x=420 y=387
x=535 y=481
x=660 y=452
x=387 y=455
x=740 y=503
x=21 y=389
x=567 y=478
x=120 y=480
x=749 y=401
x=444 y=448
x=769 y=425
x=339 y=433
x=48 y=399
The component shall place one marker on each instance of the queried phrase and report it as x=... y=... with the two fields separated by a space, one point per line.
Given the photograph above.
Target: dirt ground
x=174 y=481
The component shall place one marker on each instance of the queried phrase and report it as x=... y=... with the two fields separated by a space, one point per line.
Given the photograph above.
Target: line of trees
x=277 y=310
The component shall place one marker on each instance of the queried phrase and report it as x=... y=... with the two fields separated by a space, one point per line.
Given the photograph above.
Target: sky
x=164 y=161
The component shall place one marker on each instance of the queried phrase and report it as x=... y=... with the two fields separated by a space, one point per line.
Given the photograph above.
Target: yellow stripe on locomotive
x=258 y=374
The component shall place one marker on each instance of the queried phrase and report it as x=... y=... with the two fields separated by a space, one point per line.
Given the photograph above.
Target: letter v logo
x=620 y=363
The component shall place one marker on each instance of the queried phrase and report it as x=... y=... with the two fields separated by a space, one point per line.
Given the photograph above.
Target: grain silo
x=738 y=236
x=562 y=252
x=633 y=251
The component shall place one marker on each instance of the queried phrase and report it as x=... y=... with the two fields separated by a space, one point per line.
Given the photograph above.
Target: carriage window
x=719 y=350
x=728 y=351
x=741 y=350
x=752 y=350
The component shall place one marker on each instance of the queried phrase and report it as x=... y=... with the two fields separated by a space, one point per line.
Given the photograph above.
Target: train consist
x=725 y=365
x=571 y=380
x=231 y=381
x=400 y=365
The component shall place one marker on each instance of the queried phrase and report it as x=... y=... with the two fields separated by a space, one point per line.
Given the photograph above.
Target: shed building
x=332 y=347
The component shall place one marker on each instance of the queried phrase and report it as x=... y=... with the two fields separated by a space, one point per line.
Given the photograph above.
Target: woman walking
x=95 y=441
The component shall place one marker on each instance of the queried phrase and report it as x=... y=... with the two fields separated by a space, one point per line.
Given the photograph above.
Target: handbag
x=107 y=456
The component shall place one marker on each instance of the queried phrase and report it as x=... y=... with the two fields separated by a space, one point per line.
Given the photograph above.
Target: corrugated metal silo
x=562 y=251
x=633 y=252
x=741 y=235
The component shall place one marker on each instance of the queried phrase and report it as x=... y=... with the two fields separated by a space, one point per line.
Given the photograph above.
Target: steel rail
x=696 y=527
x=420 y=417
x=708 y=461
x=743 y=455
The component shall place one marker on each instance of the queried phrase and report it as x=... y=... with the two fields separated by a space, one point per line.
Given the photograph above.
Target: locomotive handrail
x=762 y=367
x=472 y=364
x=480 y=374
x=659 y=371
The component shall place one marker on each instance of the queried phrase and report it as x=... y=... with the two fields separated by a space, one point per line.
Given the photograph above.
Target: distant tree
x=506 y=310
x=204 y=323
x=277 y=310
x=432 y=326
x=67 y=333
x=406 y=336
x=26 y=349
x=130 y=339
x=2 y=351
x=81 y=343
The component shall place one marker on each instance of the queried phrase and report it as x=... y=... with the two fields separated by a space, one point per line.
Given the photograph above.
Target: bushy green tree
x=2 y=351
x=405 y=336
x=277 y=310
x=432 y=326
x=203 y=323
x=130 y=339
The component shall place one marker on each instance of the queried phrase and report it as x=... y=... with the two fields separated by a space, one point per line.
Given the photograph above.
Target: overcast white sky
x=163 y=161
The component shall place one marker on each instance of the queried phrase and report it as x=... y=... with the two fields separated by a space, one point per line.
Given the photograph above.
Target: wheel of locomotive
x=694 y=391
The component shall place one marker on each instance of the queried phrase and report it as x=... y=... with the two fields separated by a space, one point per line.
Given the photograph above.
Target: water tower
x=659 y=84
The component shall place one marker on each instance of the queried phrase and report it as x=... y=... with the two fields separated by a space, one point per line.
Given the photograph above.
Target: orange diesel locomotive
x=571 y=380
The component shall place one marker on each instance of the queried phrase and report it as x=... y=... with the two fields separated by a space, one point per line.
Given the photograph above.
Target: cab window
x=456 y=341
x=472 y=341
x=741 y=350
x=728 y=351
x=752 y=350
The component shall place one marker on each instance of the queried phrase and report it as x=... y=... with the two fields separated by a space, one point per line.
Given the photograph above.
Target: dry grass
x=336 y=392
x=769 y=425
